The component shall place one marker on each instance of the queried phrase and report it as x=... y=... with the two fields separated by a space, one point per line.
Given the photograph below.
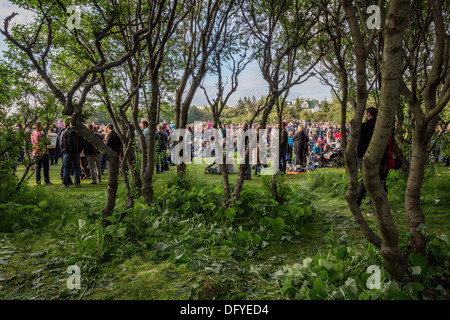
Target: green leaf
x=43 y=204
x=121 y=232
x=161 y=246
x=244 y=237
x=318 y=286
x=351 y=286
x=324 y=275
x=278 y=226
x=327 y=264
x=418 y=260
x=230 y=214
x=112 y=219
x=415 y=286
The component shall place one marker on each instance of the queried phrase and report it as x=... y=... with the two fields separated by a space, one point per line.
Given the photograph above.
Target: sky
x=251 y=82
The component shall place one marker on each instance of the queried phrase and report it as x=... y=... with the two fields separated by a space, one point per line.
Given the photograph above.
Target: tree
x=160 y=41
x=337 y=62
x=395 y=260
x=39 y=43
x=199 y=35
x=283 y=34
x=362 y=42
x=24 y=101
x=232 y=50
x=426 y=86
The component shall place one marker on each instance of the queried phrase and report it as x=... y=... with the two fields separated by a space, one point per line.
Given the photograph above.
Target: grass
x=35 y=269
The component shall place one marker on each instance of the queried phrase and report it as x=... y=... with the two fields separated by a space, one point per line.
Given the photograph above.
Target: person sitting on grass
x=317 y=148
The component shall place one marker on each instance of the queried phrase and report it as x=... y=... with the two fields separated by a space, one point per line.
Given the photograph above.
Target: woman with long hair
x=300 y=146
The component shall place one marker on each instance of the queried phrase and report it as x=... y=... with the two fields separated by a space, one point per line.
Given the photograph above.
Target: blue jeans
x=68 y=160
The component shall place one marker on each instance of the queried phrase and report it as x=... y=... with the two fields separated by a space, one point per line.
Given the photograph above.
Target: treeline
x=243 y=111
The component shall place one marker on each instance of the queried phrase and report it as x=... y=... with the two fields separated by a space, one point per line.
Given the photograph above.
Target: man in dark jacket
x=161 y=141
x=283 y=147
x=71 y=147
x=93 y=158
x=113 y=141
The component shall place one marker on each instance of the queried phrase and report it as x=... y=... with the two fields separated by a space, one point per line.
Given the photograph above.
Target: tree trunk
x=147 y=177
x=436 y=97
x=125 y=160
x=113 y=168
x=414 y=212
x=351 y=167
x=344 y=101
x=395 y=260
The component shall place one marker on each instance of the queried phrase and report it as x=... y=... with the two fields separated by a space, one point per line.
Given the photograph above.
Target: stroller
x=333 y=159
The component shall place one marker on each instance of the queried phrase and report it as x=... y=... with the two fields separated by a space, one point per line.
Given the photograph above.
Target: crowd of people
x=300 y=142
x=301 y=145
x=80 y=160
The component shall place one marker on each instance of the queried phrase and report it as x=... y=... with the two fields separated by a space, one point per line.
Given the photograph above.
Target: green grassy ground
x=32 y=266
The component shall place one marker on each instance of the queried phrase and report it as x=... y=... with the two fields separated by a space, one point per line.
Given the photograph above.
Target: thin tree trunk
x=395 y=260
x=436 y=97
x=147 y=178
x=113 y=169
x=344 y=101
x=355 y=124
x=415 y=215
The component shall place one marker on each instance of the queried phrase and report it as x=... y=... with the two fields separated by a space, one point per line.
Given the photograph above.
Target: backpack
x=73 y=142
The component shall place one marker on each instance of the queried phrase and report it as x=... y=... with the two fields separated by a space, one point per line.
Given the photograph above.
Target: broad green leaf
x=43 y=204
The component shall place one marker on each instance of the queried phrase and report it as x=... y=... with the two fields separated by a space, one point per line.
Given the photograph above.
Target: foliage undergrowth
x=186 y=226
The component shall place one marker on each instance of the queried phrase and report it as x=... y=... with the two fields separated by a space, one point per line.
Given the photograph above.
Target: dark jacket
x=113 y=141
x=300 y=147
x=161 y=140
x=284 y=139
x=365 y=134
x=89 y=149
x=71 y=142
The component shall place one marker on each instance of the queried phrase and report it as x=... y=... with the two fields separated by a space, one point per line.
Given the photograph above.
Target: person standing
x=256 y=157
x=93 y=157
x=300 y=146
x=189 y=140
x=161 y=141
x=283 y=147
x=40 y=153
x=314 y=131
x=59 y=151
x=144 y=125
x=53 y=137
x=113 y=141
x=290 y=149
x=71 y=147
